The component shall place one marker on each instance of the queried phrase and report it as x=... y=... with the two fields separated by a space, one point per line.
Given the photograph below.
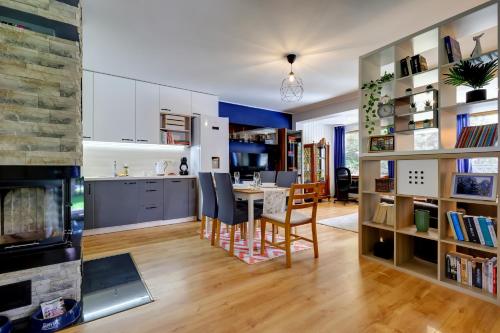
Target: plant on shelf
x=476 y=76
x=411 y=125
x=373 y=97
x=413 y=107
x=427 y=123
x=428 y=105
x=408 y=91
x=429 y=87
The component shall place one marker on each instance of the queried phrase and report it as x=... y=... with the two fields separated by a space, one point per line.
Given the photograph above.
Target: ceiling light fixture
x=292 y=88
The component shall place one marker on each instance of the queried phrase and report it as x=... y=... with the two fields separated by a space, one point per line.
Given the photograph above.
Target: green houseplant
x=476 y=76
x=373 y=91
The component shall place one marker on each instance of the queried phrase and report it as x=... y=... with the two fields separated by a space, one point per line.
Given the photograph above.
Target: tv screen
x=248 y=163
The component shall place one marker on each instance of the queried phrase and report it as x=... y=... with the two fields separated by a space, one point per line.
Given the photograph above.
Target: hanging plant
x=374 y=89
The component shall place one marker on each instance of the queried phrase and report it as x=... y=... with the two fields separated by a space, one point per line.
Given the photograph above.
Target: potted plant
x=413 y=107
x=427 y=123
x=408 y=91
x=428 y=105
x=373 y=95
x=476 y=76
x=429 y=87
x=411 y=125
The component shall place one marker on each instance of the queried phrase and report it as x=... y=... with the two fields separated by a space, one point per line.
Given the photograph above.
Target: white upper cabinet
x=173 y=100
x=147 y=112
x=114 y=109
x=88 y=105
x=204 y=104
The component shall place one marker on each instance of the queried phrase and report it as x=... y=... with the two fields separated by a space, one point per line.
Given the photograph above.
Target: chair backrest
x=286 y=178
x=342 y=183
x=225 y=197
x=268 y=176
x=307 y=195
x=209 y=207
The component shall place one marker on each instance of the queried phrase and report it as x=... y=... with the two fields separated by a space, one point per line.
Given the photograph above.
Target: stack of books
x=452 y=48
x=167 y=138
x=472 y=271
x=476 y=229
x=385 y=213
x=413 y=65
x=477 y=136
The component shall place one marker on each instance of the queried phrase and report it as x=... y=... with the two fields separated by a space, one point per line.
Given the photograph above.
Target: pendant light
x=292 y=88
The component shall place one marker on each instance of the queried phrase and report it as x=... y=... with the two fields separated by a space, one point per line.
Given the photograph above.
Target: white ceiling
x=235 y=48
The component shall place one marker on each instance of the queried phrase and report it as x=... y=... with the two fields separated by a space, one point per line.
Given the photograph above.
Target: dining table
x=251 y=194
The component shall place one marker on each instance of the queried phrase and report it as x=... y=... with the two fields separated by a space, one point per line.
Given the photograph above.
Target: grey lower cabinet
x=179 y=198
x=110 y=203
x=115 y=203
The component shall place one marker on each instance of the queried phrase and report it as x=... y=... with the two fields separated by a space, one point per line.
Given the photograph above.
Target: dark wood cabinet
x=317 y=167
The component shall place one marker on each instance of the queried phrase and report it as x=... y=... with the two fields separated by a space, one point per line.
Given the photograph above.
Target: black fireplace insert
x=40 y=207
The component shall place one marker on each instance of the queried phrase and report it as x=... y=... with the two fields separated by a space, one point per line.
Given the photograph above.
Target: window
x=352 y=152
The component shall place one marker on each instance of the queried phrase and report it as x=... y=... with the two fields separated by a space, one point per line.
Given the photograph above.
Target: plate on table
x=268 y=185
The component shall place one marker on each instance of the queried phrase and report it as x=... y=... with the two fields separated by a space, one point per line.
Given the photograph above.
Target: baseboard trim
x=142 y=225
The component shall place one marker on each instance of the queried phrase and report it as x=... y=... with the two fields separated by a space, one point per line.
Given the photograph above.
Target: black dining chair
x=343 y=182
x=268 y=176
x=286 y=178
x=209 y=207
x=231 y=212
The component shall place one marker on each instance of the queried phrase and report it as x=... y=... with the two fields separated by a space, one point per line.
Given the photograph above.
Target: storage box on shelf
x=424 y=254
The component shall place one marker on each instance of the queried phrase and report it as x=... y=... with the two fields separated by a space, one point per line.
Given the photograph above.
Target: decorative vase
x=475 y=95
x=422 y=220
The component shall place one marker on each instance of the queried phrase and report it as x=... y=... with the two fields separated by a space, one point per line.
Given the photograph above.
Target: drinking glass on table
x=256 y=178
x=236 y=177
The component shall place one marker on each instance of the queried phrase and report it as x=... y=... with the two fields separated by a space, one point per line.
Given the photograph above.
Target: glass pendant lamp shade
x=292 y=88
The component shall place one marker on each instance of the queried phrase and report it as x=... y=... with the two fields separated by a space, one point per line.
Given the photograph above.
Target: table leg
x=250 y=233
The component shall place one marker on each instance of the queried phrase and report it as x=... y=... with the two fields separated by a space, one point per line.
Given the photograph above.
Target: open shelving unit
x=442 y=136
x=175 y=129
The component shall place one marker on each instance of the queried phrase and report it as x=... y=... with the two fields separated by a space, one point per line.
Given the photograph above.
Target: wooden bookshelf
x=175 y=129
x=450 y=102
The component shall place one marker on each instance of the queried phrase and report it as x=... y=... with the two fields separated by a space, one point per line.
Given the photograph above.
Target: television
x=247 y=163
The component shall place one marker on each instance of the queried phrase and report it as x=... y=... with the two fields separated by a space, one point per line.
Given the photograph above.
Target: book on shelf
x=477 y=136
x=405 y=66
x=418 y=64
x=475 y=229
x=452 y=48
x=472 y=271
x=385 y=213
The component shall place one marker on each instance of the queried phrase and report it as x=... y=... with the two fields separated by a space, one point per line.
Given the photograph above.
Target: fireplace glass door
x=32 y=212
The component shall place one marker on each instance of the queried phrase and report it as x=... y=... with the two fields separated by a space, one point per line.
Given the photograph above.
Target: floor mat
x=345 y=222
x=241 y=247
x=111 y=285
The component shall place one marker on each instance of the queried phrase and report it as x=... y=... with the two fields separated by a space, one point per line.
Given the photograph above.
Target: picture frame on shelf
x=381 y=143
x=477 y=186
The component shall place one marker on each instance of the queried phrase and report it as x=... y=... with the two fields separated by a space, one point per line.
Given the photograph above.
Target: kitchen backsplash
x=98 y=158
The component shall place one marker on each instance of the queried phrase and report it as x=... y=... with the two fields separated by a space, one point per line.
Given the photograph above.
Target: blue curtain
x=462 y=121
x=390 y=166
x=339 y=147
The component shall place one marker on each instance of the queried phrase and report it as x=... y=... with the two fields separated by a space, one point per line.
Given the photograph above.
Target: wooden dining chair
x=293 y=218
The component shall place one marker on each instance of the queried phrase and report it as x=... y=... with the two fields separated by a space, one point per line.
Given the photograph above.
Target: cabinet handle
x=151 y=190
x=131 y=183
x=89 y=192
x=128 y=140
x=151 y=207
x=151 y=182
x=142 y=140
x=86 y=137
x=215 y=128
x=175 y=181
x=165 y=109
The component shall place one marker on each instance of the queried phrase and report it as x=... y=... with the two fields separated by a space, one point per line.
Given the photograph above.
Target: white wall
x=98 y=158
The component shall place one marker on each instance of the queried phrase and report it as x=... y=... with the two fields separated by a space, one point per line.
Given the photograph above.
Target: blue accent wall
x=246 y=115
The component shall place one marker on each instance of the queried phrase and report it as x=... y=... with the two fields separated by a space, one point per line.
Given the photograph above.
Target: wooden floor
x=201 y=289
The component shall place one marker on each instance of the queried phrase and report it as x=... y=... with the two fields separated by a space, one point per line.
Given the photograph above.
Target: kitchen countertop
x=92 y=179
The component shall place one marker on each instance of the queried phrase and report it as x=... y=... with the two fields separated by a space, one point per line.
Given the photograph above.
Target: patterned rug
x=241 y=247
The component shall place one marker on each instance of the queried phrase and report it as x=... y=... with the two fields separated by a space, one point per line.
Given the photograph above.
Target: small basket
x=384 y=184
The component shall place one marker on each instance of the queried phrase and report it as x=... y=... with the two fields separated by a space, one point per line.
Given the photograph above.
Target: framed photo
x=478 y=186
x=381 y=143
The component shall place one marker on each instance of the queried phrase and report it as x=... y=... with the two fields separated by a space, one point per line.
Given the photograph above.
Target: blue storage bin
x=5 y=325
x=40 y=325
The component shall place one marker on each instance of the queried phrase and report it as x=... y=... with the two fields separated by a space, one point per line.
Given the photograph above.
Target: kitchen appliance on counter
x=183 y=168
x=160 y=168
